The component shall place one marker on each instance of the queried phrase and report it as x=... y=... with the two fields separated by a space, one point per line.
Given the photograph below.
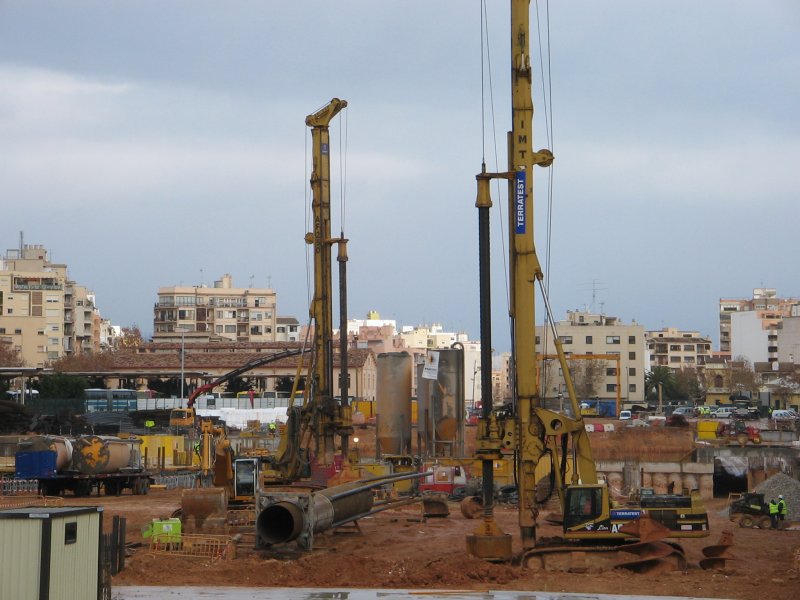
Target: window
x=255 y=330
x=588 y=339
x=10 y=311
x=538 y=341
x=281 y=329
x=631 y=387
x=611 y=372
x=218 y=329
x=688 y=347
x=2 y=329
x=674 y=347
x=631 y=339
x=612 y=339
x=70 y=532
x=18 y=332
x=674 y=359
x=611 y=387
x=566 y=339
x=230 y=328
x=54 y=328
x=631 y=372
x=631 y=355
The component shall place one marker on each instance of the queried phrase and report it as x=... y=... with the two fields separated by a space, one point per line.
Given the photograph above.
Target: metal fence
x=211 y=547
x=170 y=482
x=19 y=487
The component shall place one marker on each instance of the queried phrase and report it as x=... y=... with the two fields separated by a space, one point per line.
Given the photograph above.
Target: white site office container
x=50 y=553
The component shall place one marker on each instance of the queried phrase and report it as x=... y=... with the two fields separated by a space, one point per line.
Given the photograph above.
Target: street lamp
x=183 y=336
x=475 y=369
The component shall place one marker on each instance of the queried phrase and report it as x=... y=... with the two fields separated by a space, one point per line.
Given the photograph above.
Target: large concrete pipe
x=296 y=516
x=284 y=521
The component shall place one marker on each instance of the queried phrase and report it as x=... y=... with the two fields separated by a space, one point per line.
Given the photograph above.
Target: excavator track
x=641 y=557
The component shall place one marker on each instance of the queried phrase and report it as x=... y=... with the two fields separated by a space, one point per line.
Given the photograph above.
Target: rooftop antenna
x=269 y=281
x=251 y=280
x=21 y=242
x=201 y=277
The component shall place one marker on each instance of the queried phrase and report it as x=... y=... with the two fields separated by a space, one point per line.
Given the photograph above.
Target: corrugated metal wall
x=20 y=540
x=73 y=567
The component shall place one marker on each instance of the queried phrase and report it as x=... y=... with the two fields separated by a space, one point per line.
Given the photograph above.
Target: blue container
x=35 y=465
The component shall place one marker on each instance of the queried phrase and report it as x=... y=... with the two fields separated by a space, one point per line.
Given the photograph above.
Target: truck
x=82 y=465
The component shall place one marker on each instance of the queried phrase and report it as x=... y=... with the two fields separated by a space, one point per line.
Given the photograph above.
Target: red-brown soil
x=398 y=548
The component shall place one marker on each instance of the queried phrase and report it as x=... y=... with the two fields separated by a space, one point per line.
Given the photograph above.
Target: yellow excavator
x=531 y=433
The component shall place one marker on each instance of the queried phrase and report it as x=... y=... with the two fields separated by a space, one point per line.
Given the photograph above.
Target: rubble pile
x=782 y=484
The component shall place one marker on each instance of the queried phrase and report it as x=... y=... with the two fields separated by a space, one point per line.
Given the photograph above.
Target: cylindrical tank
x=440 y=394
x=95 y=455
x=42 y=443
x=393 y=402
x=284 y=521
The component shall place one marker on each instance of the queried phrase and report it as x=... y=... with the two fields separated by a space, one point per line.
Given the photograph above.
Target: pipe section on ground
x=288 y=516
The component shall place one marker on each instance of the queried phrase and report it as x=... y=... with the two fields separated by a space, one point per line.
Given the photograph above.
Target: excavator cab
x=245 y=478
x=586 y=511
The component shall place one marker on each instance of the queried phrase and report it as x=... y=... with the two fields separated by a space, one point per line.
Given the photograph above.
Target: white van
x=723 y=412
x=625 y=415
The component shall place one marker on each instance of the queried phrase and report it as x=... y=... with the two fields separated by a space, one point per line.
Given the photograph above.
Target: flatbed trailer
x=40 y=466
x=112 y=484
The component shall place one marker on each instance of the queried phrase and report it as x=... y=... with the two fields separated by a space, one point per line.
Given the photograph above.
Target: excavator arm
x=248 y=366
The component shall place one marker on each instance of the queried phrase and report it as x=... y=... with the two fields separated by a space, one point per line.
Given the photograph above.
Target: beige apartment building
x=607 y=357
x=676 y=349
x=43 y=314
x=765 y=301
x=223 y=311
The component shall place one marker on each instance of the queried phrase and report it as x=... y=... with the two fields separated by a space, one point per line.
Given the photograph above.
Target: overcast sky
x=157 y=143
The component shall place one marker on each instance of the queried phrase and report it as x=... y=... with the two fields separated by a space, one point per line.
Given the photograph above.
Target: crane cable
x=547 y=103
x=547 y=87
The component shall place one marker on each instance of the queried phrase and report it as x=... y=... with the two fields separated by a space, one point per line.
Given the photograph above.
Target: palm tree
x=662 y=376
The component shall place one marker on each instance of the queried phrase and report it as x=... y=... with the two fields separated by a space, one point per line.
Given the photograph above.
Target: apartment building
x=765 y=301
x=43 y=314
x=607 y=354
x=676 y=349
x=223 y=311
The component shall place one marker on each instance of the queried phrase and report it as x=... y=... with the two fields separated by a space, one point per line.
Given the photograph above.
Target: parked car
x=684 y=411
x=723 y=412
x=625 y=415
x=784 y=415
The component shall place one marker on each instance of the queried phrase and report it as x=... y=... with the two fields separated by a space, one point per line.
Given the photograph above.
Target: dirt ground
x=398 y=548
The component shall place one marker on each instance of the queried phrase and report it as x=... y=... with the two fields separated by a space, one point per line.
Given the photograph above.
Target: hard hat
x=780 y=496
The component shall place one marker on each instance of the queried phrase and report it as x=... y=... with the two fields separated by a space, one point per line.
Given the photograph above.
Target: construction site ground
x=398 y=548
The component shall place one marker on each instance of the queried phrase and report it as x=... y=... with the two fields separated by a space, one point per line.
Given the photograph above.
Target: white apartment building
x=677 y=349
x=619 y=348
x=765 y=301
x=236 y=314
x=43 y=314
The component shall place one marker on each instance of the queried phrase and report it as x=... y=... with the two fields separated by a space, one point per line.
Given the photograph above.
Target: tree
x=663 y=376
x=587 y=375
x=84 y=363
x=131 y=338
x=742 y=377
x=687 y=385
x=62 y=386
x=9 y=357
x=284 y=384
